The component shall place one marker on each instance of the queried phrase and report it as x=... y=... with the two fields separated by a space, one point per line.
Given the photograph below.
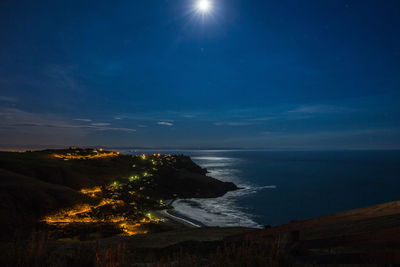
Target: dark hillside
x=34 y=184
x=24 y=200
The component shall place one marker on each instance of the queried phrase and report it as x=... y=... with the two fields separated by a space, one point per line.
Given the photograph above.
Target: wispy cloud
x=47 y=125
x=234 y=117
x=84 y=120
x=269 y=118
x=8 y=99
x=20 y=120
x=154 y=116
x=188 y=116
x=165 y=115
x=318 y=109
x=100 y=124
x=234 y=123
x=165 y=123
x=129 y=130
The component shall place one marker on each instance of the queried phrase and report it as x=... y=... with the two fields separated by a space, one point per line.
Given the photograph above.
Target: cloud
x=95 y=127
x=234 y=123
x=188 y=116
x=154 y=116
x=35 y=122
x=318 y=109
x=265 y=118
x=129 y=130
x=100 y=124
x=84 y=120
x=165 y=123
x=8 y=99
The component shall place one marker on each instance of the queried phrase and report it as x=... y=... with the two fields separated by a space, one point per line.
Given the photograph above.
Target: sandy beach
x=173 y=216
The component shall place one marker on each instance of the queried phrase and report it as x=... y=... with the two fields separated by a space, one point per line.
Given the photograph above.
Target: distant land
x=6 y=147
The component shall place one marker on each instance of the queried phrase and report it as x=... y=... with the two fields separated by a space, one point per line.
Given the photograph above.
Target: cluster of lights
x=92 y=191
x=134 y=178
x=85 y=213
x=70 y=156
x=82 y=214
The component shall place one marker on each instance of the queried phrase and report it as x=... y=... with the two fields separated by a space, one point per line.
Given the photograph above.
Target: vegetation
x=66 y=191
x=39 y=252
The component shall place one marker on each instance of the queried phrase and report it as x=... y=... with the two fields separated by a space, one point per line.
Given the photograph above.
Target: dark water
x=284 y=186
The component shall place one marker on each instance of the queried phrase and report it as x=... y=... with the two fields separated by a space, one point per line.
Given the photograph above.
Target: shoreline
x=179 y=218
x=184 y=218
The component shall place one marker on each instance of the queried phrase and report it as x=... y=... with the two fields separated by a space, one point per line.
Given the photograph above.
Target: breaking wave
x=222 y=211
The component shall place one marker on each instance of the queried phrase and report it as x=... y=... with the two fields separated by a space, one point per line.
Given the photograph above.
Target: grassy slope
x=74 y=174
x=33 y=184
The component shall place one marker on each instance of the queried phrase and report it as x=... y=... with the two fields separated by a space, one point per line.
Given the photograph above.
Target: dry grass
x=112 y=258
x=38 y=251
x=31 y=252
x=252 y=252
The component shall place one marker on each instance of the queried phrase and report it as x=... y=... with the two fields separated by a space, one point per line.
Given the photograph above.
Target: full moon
x=204 y=6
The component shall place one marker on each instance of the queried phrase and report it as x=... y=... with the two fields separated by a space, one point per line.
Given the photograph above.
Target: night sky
x=157 y=73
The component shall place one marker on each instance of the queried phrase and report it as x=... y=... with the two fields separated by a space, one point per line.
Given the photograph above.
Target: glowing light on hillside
x=83 y=214
x=77 y=155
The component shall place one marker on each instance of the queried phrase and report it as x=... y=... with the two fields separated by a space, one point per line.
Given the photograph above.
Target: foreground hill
x=35 y=184
x=364 y=237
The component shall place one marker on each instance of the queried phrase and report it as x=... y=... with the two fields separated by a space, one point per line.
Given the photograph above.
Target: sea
x=281 y=186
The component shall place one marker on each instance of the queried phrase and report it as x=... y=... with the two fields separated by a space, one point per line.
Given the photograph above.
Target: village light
x=133 y=178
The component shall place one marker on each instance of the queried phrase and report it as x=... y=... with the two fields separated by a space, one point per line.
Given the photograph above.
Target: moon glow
x=204 y=6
